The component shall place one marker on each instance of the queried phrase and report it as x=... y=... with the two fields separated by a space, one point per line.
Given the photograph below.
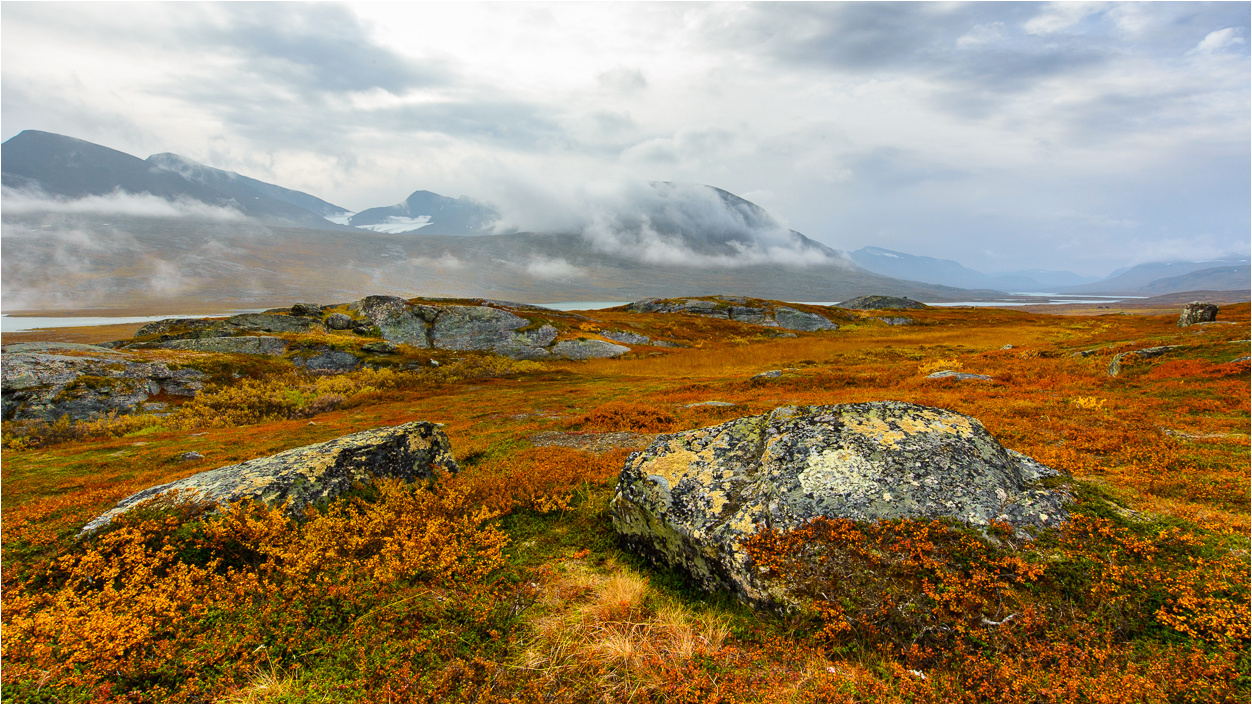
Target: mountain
x=66 y=167
x=74 y=260
x=952 y=273
x=243 y=187
x=429 y=213
x=1235 y=278
x=1136 y=279
x=660 y=239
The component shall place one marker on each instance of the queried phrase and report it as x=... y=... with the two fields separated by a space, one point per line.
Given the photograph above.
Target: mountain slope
x=429 y=213
x=952 y=273
x=1235 y=278
x=1135 y=279
x=71 y=168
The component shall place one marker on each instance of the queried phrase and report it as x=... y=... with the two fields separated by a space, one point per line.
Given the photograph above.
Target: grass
x=507 y=583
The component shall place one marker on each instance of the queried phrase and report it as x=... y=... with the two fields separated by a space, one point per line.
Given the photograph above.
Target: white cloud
x=982 y=34
x=1060 y=16
x=554 y=268
x=1214 y=42
x=117 y=203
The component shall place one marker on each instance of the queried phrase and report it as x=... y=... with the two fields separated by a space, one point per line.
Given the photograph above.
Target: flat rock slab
x=245 y=345
x=311 y=474
x=691 y=499
x=959 y=376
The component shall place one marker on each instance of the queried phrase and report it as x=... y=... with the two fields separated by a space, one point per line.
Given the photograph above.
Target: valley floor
x=506 y=583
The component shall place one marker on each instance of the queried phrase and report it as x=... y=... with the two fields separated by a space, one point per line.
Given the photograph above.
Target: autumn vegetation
x=506 y=583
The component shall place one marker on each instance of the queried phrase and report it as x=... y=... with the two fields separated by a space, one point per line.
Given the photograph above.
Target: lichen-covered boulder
x=274 y=323
x=339 y=321
x=791 y=319
x=48 y=385
x=398 y=320
x=873 y=303
x=312 y=474
x=1197 y=312
x=691 y=499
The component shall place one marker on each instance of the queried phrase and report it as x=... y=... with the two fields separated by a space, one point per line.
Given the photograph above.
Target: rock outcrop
x=493 y=326
x=1197 y=312
x=1115 y=366
x=873 y=303
x=959 y=376
x=90 y=382
x=737 y=308
x=312 y=474
x=691 y=499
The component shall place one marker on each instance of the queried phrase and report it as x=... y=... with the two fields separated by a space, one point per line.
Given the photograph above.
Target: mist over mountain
x=42 y=165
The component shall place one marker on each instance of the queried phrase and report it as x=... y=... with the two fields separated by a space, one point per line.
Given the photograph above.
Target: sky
x=1008 y=136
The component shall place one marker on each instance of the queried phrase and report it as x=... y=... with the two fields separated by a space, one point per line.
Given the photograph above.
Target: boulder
x=314 y=310
x=691 y=499
x=245 y=345
x=49 y=386
x=380 y=347
x=791 y=319
x=273 y=323
x=1115 y=366
x=871 y=303
x=311 y=474
x=166 y=325
x=737 y=308
x=339 y=321
x=326 y=361
x=587 y=349
x=1197 y=312
x=896 y=320
x=486 y=328
x=622 y=336
x=398 y=320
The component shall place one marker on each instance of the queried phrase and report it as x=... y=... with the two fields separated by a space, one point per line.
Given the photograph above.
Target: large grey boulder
x=1197 y=312
x=486 y=328
x=166 y=325
x=873 y=303
x=737 y=308
x=691 y=499
x=311 y=474
x=49 y=386
x=274 y=323
x=791 y=319
x=399 y=321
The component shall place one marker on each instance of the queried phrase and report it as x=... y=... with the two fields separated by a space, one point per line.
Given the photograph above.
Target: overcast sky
x=1080 y=136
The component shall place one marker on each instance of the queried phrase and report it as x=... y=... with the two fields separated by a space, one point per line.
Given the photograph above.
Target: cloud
x=1061 y=16
x=1214 y=42
x=657 y=223
x=623 y=80
x=119 y=202
x=552 y=268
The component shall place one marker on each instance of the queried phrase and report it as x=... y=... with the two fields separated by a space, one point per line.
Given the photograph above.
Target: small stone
x=960 y=376
x=1007 y=347
x=190 y=455
x=338 y=321
x=380 y=347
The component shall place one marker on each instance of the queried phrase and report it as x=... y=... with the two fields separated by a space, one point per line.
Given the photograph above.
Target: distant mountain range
x=1151 y=279
x=952 y=273
x=279 y=243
